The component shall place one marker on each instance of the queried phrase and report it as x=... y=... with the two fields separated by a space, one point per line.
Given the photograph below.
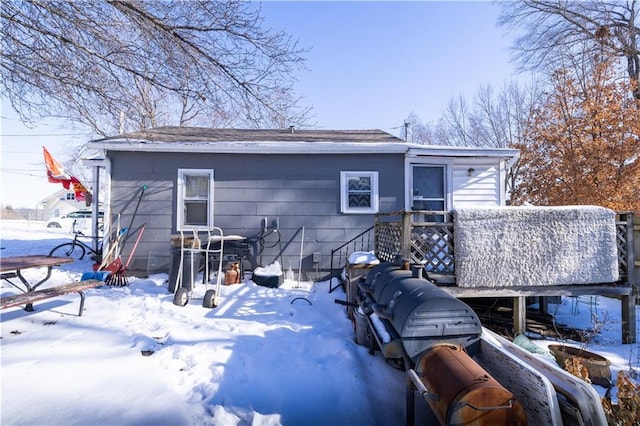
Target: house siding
x=298 y=190
x=484 y=188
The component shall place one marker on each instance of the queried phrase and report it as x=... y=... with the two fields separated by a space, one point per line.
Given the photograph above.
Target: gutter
x=301 y=147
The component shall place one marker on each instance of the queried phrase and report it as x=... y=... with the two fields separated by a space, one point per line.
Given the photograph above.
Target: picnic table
x=12 y=267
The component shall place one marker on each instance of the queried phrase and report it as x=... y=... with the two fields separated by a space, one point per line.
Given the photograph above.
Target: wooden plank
x=564 y=290
x=14 y=263
x=34 y=296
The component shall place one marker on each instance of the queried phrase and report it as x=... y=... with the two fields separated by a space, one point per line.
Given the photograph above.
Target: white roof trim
x=458 y=151
x=301 y=147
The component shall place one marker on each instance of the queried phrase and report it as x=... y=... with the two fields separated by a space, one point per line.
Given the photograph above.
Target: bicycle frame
x=87 y=247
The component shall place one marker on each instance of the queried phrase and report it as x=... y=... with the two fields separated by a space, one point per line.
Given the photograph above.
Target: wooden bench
x=47 y=293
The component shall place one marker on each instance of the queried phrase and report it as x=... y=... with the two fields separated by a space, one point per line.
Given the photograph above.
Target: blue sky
x=370 y=65
x=373 y=63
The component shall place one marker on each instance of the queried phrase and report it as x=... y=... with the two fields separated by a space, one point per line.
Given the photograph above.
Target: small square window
x=359 y=192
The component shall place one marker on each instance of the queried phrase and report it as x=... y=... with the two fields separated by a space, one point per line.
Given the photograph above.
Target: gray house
x=275 y=187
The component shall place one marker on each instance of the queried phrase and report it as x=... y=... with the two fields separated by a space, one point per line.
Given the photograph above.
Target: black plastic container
x=273 y=281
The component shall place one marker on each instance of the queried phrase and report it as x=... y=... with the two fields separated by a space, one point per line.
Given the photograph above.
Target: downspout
x=509 y=164
x=95 y=211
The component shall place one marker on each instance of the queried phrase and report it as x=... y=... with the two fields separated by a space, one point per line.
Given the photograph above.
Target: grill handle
x=345 y=303
x=508 y=406
x=424 y=392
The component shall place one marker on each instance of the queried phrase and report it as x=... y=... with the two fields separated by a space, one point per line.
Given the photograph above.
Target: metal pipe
x=424 y=392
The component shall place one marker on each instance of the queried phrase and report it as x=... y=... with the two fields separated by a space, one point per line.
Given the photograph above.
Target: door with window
x=429 y=190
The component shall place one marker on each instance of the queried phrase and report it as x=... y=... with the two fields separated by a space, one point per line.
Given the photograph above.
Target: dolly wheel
x=209 y=300
x=181 y=298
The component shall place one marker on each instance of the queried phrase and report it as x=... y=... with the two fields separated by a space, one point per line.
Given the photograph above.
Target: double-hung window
x=359 y=192
x=195 y=198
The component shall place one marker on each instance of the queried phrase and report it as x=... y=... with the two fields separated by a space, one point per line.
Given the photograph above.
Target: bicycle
x=77 y=249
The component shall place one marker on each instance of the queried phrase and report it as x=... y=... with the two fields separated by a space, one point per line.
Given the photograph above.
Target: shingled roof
x=205 y=134
x=279 y=141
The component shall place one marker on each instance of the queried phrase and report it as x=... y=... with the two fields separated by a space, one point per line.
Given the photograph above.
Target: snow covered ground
x=264 y=356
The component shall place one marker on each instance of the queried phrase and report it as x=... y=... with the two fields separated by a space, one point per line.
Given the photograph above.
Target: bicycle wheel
x=68 y=250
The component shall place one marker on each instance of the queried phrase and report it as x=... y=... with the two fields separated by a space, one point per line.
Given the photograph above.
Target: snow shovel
x=106 y=264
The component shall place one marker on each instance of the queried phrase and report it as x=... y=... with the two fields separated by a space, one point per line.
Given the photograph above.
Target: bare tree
x=134 y=64
x=491 y=119
x=455 y=126
x=551 y=28
x=415 y=131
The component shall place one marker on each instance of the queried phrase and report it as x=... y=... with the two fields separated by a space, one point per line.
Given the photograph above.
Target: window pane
x=433 y=205
x=428 y=182
x=359 y=200
x=358 y=192
x=196 y=186
x=359 y=183
x=195 y=212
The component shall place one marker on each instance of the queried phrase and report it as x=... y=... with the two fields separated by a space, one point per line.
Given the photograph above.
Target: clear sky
x=370 y=65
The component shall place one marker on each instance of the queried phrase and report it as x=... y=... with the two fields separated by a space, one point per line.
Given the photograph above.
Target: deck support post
x=519 y=315
x=407 y=229
x=628 y=319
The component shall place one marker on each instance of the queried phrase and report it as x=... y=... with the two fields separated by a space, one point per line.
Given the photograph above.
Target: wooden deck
x=430 y=241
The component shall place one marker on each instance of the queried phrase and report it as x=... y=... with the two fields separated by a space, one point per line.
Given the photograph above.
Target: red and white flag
x=56 y=173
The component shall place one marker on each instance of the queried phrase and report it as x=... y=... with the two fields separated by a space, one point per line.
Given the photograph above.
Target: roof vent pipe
x=292 y=129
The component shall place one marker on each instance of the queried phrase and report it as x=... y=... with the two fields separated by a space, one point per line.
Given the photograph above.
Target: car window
x=83 y=215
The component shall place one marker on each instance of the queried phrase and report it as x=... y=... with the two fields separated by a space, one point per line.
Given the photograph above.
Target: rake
x=118 y=276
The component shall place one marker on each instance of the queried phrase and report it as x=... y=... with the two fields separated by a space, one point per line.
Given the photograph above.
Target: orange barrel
x=466 y=393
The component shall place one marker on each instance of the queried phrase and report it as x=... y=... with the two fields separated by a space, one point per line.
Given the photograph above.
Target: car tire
x=53 y=225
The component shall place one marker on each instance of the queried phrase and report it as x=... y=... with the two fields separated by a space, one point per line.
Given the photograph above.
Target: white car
x=76 y=221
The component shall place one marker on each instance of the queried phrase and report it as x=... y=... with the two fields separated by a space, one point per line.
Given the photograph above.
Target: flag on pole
x=56 y=173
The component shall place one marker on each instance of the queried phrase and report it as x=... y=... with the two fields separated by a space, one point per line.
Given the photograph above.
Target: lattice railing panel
x=433 y=245
x=623 y=222
x=388 y=238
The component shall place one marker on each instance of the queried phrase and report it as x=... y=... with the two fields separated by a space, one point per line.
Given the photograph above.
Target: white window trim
x=344 y=193
x=180 y=226
x=433 y=161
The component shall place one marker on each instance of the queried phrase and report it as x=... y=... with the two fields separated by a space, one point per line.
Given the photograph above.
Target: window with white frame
x=359 y=192
x=195 y=198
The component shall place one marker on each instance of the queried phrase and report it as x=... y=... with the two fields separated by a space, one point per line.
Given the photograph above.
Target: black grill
x=415 y=313
x=418 y=325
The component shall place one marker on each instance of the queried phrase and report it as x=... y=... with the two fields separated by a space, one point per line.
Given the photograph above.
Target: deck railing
x=361 y=242
x=626 y=250
x=427 y=237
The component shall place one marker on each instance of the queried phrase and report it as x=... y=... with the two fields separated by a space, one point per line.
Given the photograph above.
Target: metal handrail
x=340 y=251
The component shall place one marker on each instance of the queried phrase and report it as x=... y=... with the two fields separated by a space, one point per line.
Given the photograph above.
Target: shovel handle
x=135 y=245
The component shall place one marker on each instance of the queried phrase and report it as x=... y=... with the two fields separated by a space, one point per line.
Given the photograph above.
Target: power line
x=41 y=134
x=26 y=173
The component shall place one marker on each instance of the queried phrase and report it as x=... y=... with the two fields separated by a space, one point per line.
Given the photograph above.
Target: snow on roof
x=279 y=141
